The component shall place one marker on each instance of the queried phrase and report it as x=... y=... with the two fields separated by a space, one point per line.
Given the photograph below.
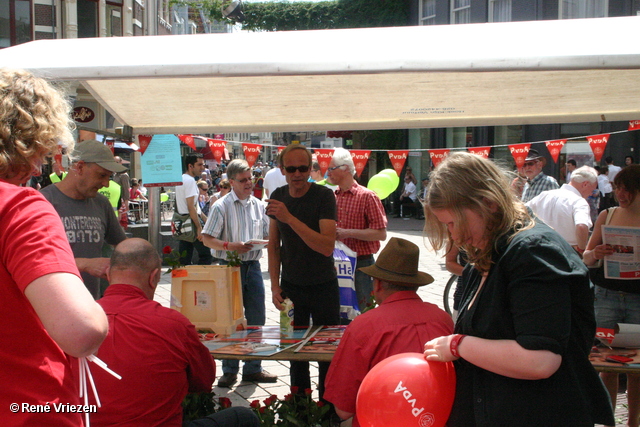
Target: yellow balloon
x=382 y=185
x=391 y=173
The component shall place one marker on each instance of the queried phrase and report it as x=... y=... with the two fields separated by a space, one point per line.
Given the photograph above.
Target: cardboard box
x=210 y=296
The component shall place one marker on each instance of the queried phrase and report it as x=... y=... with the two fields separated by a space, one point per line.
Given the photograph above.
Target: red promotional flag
x=280 y=148
x=555 y=147
x=598 y=143
x=438 y=155
x=360 y=159
x=519 y=153
x=398 y=159
x=323 y=156
x=480 y=151
x=143 y=142
x=217 y=148
x=111 y=144
x=634 y=125
x=251 y=152
x=57 y=158
x=188 y=139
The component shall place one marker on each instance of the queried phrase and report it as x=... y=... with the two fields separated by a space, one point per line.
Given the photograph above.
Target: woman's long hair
x=34 y=120
x=468 y=181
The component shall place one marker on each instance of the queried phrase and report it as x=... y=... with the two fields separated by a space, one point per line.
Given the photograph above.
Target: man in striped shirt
x=233 y=220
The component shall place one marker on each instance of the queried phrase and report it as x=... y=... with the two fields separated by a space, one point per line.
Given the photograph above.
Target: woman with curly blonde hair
x=45 y=309
x=36 y=120
x=526 y=323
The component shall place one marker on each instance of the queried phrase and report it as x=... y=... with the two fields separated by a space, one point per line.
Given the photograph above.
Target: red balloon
x=405 y=391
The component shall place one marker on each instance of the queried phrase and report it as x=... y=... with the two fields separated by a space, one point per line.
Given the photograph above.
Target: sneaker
x=260 y=377
x=227 y=380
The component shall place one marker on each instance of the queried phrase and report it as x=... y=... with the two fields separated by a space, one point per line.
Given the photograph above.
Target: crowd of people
x=526 y=312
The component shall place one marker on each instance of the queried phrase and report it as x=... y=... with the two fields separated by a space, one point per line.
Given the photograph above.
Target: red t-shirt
x=33 y=369
x=157 y=352
x=402 y=323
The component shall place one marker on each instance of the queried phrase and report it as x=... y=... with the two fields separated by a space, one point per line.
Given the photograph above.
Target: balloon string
x=85 y=372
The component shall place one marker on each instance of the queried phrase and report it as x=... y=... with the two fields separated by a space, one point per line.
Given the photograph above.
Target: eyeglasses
x=293 y=169
x=529 y=164
x=335 y=167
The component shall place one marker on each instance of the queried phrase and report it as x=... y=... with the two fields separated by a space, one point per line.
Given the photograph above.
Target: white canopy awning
x=377 y=78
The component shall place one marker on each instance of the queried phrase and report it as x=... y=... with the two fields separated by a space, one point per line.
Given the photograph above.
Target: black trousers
x=321 y=303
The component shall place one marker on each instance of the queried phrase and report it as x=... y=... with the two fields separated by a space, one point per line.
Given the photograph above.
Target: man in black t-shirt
x=301 y=241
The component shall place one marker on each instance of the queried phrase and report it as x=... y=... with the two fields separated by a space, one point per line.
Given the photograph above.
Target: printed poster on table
x=255 y=340
x=624 y=263
x=323 y=340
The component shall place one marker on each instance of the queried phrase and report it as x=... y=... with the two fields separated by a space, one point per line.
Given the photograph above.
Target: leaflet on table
x=322 y=340
x=624 y=263
x=255 y=340
x=624 y=335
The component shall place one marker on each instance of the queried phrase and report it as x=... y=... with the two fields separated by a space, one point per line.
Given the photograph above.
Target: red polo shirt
x=157 y=352
x=402 y=323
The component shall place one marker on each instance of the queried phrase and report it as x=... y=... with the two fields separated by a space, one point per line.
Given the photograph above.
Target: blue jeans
x=616 y=307
x=204 y=253
x=363 y=282
x=254 y=311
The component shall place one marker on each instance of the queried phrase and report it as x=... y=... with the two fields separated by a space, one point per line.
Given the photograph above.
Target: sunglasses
x=243 y=180
x=293 y=169
x=528 y=164
x=335 y=167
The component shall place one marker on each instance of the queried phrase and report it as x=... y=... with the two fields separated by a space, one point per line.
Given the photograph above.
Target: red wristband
x=455 y=344
x=225 y=246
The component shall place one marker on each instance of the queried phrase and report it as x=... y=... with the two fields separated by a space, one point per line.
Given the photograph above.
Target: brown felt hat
x=398 y=264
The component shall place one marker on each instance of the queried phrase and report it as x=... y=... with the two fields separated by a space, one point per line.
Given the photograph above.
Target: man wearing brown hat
x=402 y=323
x=87 y=216
x=537 y=181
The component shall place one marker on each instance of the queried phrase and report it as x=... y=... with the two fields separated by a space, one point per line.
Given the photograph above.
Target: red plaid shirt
x=360 y=208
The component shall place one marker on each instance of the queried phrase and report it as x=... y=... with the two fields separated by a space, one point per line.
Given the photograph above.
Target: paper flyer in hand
x=624 y=263
x=257 y=244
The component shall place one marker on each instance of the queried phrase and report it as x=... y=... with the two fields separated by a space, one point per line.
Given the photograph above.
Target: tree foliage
x=285 y=16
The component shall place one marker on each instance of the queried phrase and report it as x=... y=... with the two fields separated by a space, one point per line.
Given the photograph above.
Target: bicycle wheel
x=447 y=295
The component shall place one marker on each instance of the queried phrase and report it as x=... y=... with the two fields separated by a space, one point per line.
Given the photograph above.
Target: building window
x=427 y=12
x=15 y=22
x=87 y=18
x=499 y=10
x=114 y=20
x=460 y=11
x=573 y=9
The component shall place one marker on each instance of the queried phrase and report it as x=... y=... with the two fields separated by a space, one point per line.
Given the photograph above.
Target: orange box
x=210 y=297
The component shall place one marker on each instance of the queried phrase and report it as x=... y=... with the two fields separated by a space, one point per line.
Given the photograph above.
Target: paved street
x=243 y=393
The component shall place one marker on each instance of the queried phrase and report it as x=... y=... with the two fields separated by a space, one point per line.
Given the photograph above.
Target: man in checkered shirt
x=537 y=181
x=362 y=222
